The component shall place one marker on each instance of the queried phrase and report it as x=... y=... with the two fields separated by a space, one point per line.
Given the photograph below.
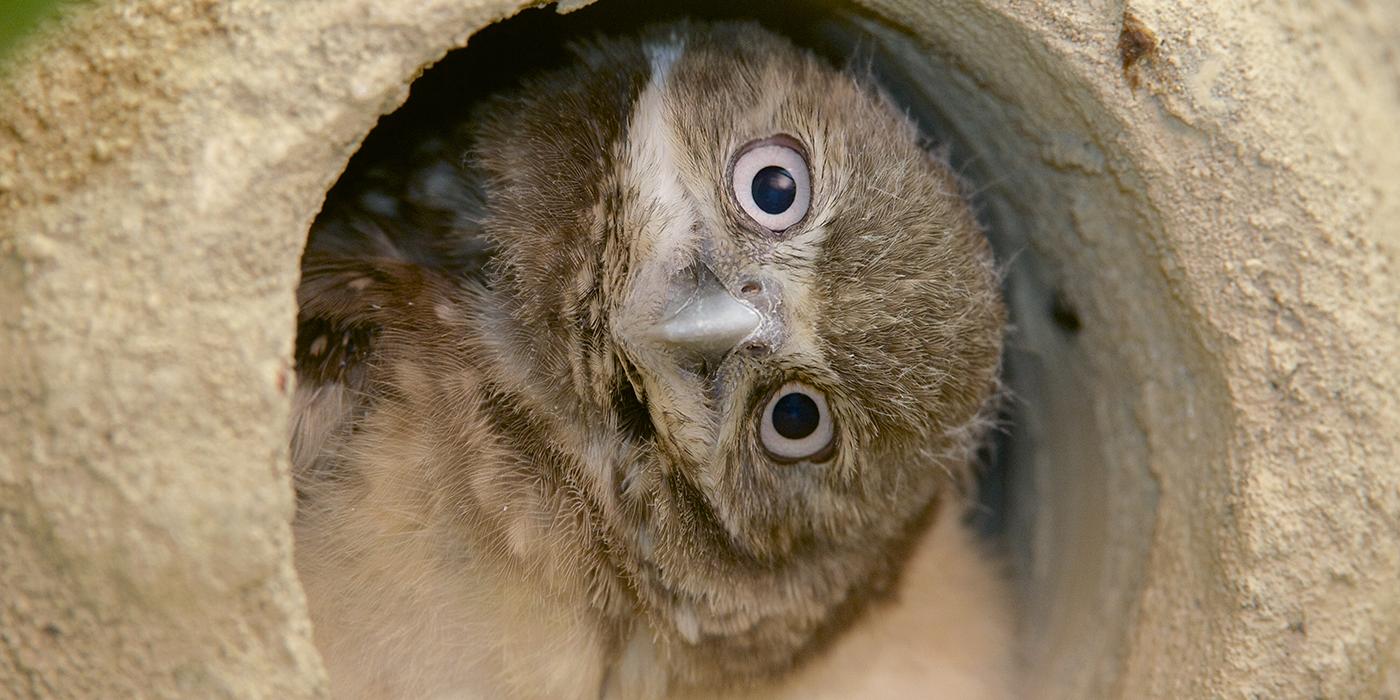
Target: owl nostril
x=756 y=349
x=751 y=288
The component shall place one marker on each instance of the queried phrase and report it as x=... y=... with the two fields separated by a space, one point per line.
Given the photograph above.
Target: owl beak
x=710 y=320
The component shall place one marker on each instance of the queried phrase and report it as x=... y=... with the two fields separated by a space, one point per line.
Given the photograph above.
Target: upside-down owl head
x=746 y=267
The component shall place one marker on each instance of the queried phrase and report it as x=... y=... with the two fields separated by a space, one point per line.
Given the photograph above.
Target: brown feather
x=501 y=495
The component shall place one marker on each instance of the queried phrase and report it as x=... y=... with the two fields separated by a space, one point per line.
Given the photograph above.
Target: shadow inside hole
x=500 y=56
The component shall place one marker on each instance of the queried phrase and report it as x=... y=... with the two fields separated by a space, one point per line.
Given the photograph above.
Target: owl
x=659 y=375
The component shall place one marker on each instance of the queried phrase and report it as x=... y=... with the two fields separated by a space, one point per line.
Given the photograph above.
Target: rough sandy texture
x=1210 y=461
x=159 y=168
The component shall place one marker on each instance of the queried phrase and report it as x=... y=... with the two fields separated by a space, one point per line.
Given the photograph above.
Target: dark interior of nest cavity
x=499 y=56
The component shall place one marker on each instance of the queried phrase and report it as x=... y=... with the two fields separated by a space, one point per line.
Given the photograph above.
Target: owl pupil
x=774 y=189
x=795 y=416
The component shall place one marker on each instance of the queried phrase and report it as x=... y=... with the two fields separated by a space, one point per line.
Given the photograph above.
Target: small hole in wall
x=1063 y=313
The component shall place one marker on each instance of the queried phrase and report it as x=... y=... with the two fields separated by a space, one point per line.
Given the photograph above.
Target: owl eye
x=796 y=425
x=771 y=182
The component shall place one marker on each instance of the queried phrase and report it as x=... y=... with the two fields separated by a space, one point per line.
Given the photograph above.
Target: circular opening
x=1064 y=492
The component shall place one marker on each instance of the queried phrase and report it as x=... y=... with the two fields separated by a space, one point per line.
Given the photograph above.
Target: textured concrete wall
x=1211 y=459
x=1210 y=485
x=160 y=163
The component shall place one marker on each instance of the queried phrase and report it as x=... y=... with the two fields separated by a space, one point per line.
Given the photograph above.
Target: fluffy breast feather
x=466 y=528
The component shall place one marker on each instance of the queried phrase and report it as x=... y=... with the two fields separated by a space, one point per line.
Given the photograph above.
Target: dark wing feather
x=394 y=232
x=383 y=226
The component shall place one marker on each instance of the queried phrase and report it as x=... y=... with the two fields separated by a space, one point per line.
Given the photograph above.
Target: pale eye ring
x=796 y=424
x=772 y=183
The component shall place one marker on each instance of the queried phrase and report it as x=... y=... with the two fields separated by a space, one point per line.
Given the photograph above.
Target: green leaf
x=18 y=17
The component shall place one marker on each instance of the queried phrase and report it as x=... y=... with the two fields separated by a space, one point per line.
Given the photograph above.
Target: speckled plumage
x=505 y=490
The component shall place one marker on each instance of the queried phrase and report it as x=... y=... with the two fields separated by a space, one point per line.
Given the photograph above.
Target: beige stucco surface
x=1213 y=457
